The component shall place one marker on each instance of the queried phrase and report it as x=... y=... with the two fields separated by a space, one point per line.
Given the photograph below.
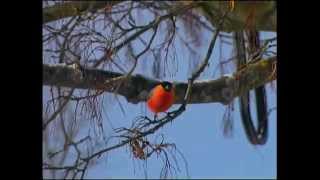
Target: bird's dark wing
x=150 y=94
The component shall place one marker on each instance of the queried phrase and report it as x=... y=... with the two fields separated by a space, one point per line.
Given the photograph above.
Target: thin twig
x=56 y=113
x=173 y=114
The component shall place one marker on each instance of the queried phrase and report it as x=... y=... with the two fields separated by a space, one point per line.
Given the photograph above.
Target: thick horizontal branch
x=137 y=87
x=75 y=8
x=265 y=19
x=261 y=14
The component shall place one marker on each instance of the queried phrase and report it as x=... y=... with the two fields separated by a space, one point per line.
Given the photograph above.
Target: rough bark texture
x=261 y=13
x=136 y=87
x=237 y=20
x=75 y=8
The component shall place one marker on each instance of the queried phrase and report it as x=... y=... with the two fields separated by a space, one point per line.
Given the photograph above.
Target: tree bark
x=235 y=21
x=74 y=8
x=137 y=87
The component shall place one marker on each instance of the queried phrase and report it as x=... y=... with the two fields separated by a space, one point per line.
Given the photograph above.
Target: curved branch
x=252 y=134
x=260 y=135
x=136 y=90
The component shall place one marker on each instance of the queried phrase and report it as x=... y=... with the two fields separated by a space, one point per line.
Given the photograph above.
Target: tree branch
x=136 y=90
x=266 y=21
x=58 y=111
x=265 y=16
x=64 y=10
x=153 y=126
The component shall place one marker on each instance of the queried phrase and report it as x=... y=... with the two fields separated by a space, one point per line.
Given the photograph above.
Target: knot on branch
x=228 y=93
x=78 y=74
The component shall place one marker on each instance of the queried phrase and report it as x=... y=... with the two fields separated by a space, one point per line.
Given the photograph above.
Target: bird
x=161 y=97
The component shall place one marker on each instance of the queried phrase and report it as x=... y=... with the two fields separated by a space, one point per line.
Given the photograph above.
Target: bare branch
x=137 y=87
x=64 y=10
x=153 y=126
x=56 y=113
x=85 y=43
x=175 y=11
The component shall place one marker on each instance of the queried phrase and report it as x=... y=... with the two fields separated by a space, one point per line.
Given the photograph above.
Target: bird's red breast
x=161 y=97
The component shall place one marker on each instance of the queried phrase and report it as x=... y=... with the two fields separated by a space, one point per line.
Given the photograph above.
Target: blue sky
x=197 y=133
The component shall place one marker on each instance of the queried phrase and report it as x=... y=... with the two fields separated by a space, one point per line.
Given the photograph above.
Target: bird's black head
x=166 y=85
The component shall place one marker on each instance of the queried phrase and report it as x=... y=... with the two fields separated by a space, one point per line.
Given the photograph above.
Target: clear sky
x=197 y=133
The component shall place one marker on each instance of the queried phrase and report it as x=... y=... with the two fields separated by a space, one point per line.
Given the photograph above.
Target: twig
x=142 y=29
x=54 y=115
x=173 y=114
x=196 y=74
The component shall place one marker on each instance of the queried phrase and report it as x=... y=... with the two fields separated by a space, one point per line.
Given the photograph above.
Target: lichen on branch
x=221 y=90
